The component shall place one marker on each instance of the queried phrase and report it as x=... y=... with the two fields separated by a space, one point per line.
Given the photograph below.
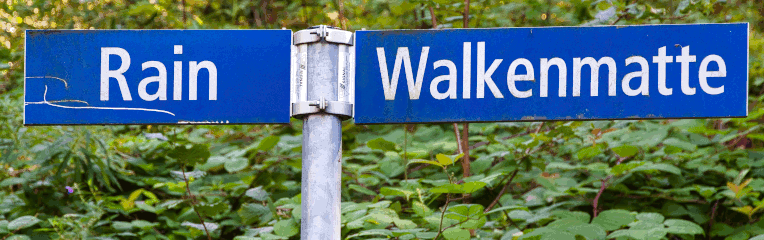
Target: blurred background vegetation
x=652 y=179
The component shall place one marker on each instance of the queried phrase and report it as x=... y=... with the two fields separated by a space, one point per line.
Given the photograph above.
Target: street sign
x=552 y=73
x=157 y=76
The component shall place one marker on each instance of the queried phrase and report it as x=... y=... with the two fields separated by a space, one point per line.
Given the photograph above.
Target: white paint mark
x=202 y=122
x=66 y=85
x=45 y=101
x=57 y=101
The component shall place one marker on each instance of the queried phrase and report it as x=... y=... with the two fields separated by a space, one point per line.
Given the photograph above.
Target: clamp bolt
x=321 y=103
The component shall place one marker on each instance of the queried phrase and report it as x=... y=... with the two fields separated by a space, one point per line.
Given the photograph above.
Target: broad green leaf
x=145 y=9
x=297 y=212
x=362 y=190
x=470 y=215
x=625 y=167
x=538 y=232
x=145 y=207
x=257 y=193
x=286 y=228
x=456 y=234
x=404 y=224
x=415 y=154
x=212 y=209
x=4 y=226
x=379 y=218
x=758 y=237
x=12 y=181
x=236 y=164
x=448 y=188
x=578 y=216
x=660 y=167
x=471 y=187
x=444 y=160
x=381 y=144
x=474 y=223
x=22 y=222
x=721 y=229
x=269 y=236
x=742 y=235
x=509 y=208
x=190 y=154
x=245 y=238
x=560 y=235
x=371 y=232
x=425 y=161
x=210 y=226
x=651 y=217
x=619 y=234
x=598 y=167
x=613 y=219
x=645 y=225
x=468 y=187
x=559 y=165
x=625 y=150
x=588 y=231
x=687 y=146
x=421 y=210
x=18 y=237
x=268 y=143
x=462 y=212
x=143 y=224
x=565 y=223
x=656 y=233
x=589 y=152
x=121 y=226
x=679 y=226
x=250 y=212
x=388 y=191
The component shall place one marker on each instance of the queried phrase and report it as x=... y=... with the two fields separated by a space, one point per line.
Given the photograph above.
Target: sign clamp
x=327 y=33
x=343 y=109
x=300 y=106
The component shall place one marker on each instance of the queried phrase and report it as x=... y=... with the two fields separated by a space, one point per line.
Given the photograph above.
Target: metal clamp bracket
x=342 y=109
x=327 y=33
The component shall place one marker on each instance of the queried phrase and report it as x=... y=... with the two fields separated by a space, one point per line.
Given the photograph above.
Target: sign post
x=321 y=97
x=405 y=76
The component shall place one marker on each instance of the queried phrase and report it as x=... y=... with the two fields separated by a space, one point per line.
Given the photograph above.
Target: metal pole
x=321 y=150
x=322 y=109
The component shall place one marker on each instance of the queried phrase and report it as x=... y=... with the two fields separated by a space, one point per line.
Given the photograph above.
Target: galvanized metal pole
x=321 y=100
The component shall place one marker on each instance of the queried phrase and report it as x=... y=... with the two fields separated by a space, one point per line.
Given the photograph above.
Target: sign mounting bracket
x=301 y=106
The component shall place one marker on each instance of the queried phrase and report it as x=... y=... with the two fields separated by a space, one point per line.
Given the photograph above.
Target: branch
x=466 y=15
x=353 y=177
x=193 y=202
x=256 y=16
x=713 y=215
x=603 y=186
x=466 y=148
x=516 y=135
x=443 y=213
x=434 y=20
x=183 y=2
x=254 y=180
x=503 y=190
x=342 y=16
x=458 y=138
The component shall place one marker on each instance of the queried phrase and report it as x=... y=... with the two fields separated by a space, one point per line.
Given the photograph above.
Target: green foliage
x=652 y=179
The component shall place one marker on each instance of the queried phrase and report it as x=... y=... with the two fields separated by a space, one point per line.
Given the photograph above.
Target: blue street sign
x=157 y=76
x=552 y=73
